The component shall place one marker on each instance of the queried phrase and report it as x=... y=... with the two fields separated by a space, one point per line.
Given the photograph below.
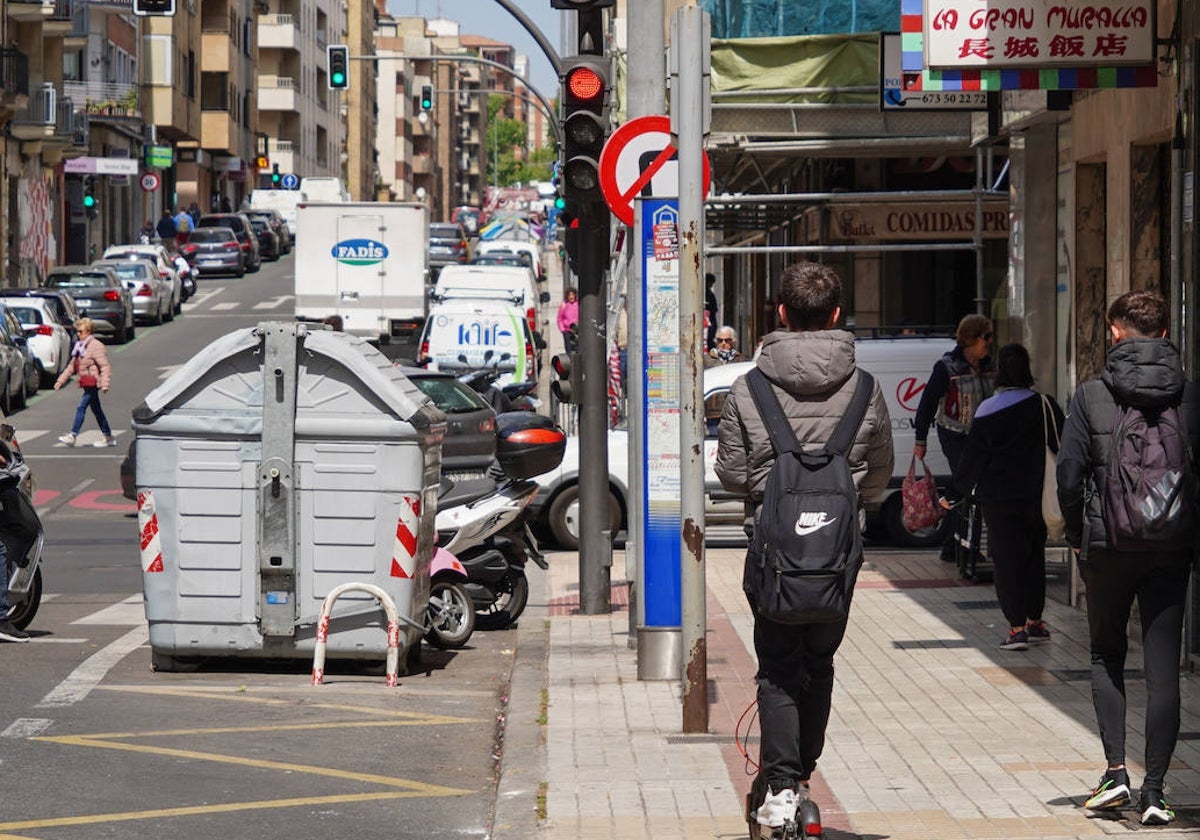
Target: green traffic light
x=560 y=203
x=275 y=178
x=89 y=201
x=339 y=78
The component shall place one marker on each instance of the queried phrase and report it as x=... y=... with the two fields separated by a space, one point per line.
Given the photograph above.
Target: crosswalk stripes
x=273 y=304
x=224 y=306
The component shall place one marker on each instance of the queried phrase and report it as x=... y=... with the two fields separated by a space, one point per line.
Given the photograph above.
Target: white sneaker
x=777 y=808
x=105 y=441
x=68 y=439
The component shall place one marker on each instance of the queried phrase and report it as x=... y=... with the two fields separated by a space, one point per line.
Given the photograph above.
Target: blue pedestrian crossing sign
x=289 y=181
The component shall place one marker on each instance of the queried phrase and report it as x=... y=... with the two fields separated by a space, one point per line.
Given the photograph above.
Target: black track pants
x=795 y=684
x=1159 y=582
x=1017 y=543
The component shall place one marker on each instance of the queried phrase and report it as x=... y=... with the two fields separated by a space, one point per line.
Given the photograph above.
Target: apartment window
x=247 y=105
x=190 y=81
x=73 y=66
x=246 y=37
x=158 y=52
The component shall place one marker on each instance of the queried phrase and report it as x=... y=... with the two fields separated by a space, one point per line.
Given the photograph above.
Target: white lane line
x=57 y=640
x=26 y=435
x=26 y=728
x=272 y=304
x=127 y=613
x=219 y=307
x=88 y=675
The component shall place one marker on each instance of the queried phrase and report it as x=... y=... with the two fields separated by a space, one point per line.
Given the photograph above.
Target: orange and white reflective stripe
x=404 y=551
x=151 y=543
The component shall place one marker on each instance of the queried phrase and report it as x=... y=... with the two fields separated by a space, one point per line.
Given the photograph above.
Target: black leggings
x=795 y=688
x=1017 y=544
x=1160 y=583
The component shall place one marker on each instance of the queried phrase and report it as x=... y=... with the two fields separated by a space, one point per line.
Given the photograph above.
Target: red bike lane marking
x=45 y=497
x=91 y=501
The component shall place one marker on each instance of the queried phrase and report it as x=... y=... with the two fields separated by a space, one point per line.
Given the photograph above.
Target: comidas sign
x=359 y=252
x=1038 y=33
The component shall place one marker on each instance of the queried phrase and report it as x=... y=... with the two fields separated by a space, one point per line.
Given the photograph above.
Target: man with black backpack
x=1126 y=485
x=804 y=437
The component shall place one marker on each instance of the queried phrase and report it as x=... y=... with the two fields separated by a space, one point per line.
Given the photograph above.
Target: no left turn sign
x=149 y=182
x=638 y=159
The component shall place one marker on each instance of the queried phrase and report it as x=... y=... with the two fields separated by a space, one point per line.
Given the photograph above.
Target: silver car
x=151 y=293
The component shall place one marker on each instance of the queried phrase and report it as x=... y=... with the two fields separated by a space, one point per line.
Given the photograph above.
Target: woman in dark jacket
x=1002 y=466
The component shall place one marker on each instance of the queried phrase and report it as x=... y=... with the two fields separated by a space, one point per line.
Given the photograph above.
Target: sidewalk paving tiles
x=935 y=732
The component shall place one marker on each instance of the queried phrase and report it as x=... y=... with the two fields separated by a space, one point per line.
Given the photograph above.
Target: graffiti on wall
x=35 y=216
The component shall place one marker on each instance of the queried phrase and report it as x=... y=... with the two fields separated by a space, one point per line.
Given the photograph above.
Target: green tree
x=510 y=159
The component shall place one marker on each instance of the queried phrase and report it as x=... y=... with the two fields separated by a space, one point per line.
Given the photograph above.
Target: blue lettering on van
x=359 y=252
x=483 y=333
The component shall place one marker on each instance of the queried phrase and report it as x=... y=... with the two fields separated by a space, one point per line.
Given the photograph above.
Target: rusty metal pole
x=689 y=51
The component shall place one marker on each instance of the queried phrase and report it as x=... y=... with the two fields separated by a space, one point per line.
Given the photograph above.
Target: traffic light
x=585 y=87
x=275 y=176
x=91 y=204
x=580 y=4
x=426 y=97
x=261 y=162
x=339 y=66
x=566 y=387
x=153 y=8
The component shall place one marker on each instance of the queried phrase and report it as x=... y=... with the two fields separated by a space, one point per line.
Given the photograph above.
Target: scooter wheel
x=450 y=615
x=508 y=606
x=22 y=611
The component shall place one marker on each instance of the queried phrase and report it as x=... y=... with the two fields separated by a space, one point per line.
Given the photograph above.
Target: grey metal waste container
x=278 y=463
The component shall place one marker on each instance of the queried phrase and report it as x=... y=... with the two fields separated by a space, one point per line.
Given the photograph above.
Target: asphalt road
x=94 y=744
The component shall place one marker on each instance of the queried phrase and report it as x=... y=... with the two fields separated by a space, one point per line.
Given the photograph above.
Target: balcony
x=422 y=164
x=36 y=120
x=283 y=153
x=278 y=31
x=14 y=79
x=27 y=11
x=61 y=20
x=217 y=52
x=276 y=93
x=218 y=132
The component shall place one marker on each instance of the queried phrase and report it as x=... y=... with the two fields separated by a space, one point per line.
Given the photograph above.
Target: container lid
x=344 y=386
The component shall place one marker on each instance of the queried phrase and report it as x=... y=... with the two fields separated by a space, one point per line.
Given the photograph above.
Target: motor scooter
x=485 y=522
x=20 y=531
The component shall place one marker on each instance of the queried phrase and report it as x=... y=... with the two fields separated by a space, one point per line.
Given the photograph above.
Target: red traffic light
x=562 y=365
x=584 y=84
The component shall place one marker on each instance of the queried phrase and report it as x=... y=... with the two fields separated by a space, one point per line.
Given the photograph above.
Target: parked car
x=151 y=293
x=13 y=365
x=214 y=250
x=32 y=368
x=470 y=442
x=239 y=223
x=46 y=336
x=448 y=244
x=162 y=261
x=60 y=303
x=268 y=240
x=278 y=224
x=98 y=295
x=512 y=246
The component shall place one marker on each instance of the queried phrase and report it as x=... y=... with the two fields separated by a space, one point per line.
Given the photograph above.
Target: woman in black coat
x=1002 y=465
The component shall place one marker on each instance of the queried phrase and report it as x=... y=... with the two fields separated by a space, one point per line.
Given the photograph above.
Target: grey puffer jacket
x=813 y=375
x=1142 y=372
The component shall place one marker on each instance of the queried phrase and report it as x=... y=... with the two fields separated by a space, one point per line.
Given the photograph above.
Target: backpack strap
x=783 y=438
x=778 y=428
x=847 y=428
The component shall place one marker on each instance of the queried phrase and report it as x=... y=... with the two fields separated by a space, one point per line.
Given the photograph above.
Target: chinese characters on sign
x=1041 y=33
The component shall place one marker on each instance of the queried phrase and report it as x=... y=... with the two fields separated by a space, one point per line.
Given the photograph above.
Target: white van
x=513 y=284
x=459 y=332
x=283 y=201
x=902 y=366
x=510 y=246
x=324 y=190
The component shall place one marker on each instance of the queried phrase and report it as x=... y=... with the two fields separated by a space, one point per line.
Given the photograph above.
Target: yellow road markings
x=371 y=778
x=277 y=727
x=241 y=697
x=198 y=810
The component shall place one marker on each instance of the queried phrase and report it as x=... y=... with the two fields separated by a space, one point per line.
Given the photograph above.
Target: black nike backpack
x=806 y=550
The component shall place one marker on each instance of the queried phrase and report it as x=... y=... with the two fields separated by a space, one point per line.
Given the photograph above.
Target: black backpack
x=806 y=550
x=1150 y=496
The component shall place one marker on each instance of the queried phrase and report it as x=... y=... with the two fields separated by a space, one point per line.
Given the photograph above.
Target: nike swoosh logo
x=805 y=530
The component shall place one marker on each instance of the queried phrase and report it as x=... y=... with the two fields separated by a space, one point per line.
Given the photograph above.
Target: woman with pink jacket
x=89 y=360
x=568 y=320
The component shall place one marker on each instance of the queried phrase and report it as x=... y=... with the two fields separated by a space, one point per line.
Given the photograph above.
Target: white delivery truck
x=367 y=262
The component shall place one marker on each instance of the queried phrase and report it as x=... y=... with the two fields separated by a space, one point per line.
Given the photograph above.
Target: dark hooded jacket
x=813 y=374
x=1141 y=372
